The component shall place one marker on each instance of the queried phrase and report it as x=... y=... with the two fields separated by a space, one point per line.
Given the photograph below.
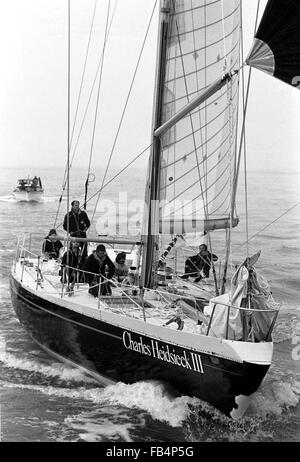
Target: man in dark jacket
x=102 y=268
x=198 y=266
x=78 y=225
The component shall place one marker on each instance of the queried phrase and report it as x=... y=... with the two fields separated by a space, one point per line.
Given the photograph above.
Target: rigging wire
x=244 y=140
x=191 y=122
x=230 y=127
x=244 y=136
x=212 y=266
x=198 y=112
x=228 y=232
x=255 y=234
x=242 y=146
x=84 y=70
x=125 y=107
x=196 y=153
x=269 y=224
x=244 y=117
x=76 y=112
x=117 y=174
x=206 y=104
x=193 y=132
x=92 y=88
x=258 y=232
x=97 y=103
x=68 y=122
x=68 y=109
x=224 y=37
x=83 y=120
x=204 y=145
x=75 y=118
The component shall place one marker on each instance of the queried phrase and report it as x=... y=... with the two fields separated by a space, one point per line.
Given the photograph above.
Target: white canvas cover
x=243 y=324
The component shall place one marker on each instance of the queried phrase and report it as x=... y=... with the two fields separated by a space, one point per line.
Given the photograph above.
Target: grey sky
x=33 y=90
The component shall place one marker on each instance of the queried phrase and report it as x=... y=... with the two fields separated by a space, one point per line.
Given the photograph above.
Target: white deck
x=128 y=314
x=157 y=309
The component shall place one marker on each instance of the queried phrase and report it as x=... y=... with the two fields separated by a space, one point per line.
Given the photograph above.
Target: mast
x=68 y=129
x=152 y=195
x=68 y=113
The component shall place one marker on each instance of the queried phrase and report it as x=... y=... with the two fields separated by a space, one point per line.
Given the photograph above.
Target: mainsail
x=197 y=154
x=193 y=163
x=276 y=47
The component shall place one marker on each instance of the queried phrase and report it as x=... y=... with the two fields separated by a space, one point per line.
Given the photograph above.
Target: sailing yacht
x=210 y=340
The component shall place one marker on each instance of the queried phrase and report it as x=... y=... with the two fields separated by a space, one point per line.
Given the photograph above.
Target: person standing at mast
x=79 y=223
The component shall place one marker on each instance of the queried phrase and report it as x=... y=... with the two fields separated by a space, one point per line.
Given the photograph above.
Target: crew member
x=198 y=266
x=51 y=248
x=69 y=263
x=121 y=269
x=102 y=268
x=78 y=225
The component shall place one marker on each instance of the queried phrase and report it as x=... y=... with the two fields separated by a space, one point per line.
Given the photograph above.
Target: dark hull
x=120 y=355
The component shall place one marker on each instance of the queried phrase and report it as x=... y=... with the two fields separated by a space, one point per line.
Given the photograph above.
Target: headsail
x=276 y=47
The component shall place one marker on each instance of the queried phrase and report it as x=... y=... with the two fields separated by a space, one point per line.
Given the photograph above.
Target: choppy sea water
x=43 y=400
